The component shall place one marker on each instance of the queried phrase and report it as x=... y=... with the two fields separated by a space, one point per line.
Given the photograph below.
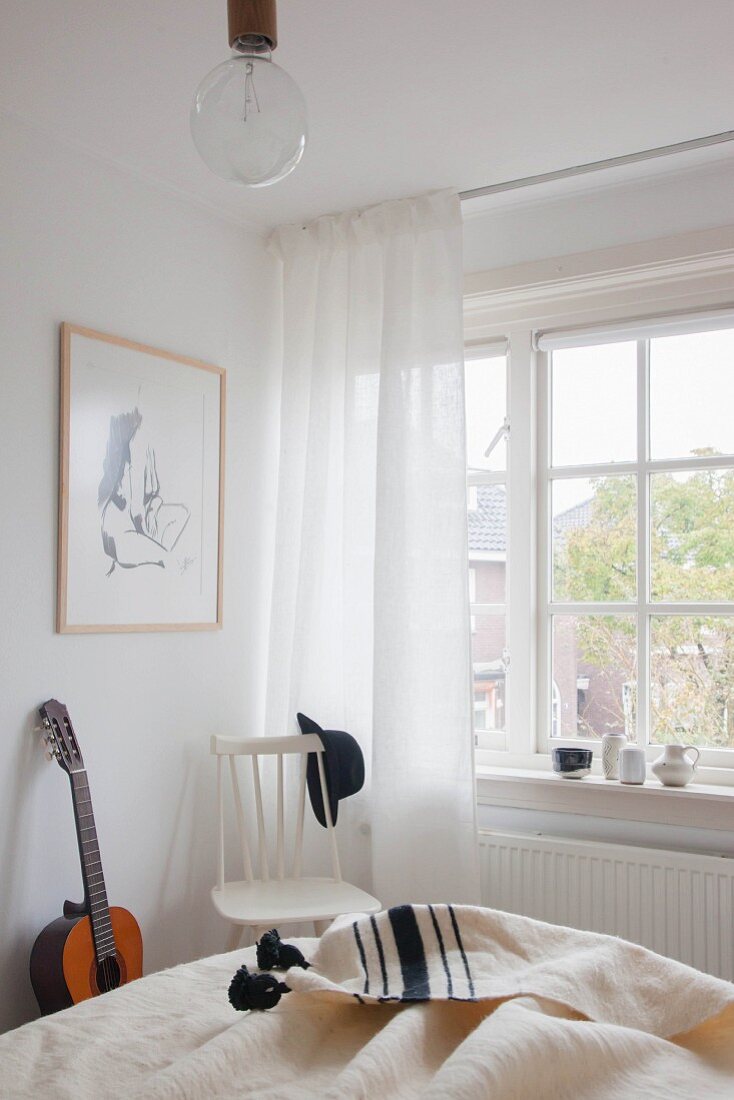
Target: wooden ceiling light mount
x=253 y=25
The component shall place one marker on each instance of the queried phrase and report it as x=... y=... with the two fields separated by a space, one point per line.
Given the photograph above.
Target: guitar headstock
x=60 y=737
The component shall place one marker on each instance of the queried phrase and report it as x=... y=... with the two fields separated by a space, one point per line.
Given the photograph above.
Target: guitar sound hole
x=108 y=974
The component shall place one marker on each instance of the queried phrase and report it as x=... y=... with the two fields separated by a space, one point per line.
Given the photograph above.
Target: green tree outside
x=692 y=555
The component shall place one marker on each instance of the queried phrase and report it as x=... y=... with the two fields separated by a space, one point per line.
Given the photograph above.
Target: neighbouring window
x=636 y=476
x=487 y=436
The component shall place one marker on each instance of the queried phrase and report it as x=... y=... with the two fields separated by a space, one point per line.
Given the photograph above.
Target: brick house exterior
x=585 y=698
x=487 y=569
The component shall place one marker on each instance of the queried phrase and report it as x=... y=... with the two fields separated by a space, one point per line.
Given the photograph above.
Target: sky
x=594 y=393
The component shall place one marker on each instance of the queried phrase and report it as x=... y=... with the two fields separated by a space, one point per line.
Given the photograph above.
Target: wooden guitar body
x=64 y=967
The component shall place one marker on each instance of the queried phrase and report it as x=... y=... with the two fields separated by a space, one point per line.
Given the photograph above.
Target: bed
x=535 y=1011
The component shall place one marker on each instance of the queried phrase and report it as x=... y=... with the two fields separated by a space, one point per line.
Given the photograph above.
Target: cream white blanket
x=569 y=1016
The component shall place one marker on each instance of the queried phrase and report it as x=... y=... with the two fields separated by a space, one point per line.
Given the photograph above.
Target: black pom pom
x=291 y=956
x=273 y=954
x=255 y=991
x=268 y=950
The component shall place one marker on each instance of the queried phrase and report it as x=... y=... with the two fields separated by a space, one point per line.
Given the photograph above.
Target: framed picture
x=141 y=498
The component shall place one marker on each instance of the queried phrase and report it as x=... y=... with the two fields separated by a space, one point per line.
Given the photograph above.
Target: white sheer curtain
x=370 y=629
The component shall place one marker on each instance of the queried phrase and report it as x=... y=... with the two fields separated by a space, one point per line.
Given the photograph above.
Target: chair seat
x=290 y=900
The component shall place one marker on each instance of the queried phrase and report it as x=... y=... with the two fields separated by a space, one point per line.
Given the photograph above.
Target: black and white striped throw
x=413 y=953
x=409 y=953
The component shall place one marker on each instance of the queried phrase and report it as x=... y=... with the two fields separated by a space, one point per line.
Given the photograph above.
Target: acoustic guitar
x=93 y=948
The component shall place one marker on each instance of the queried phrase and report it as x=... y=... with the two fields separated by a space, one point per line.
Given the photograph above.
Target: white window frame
x=642 y=468
x=675 y=278
x=517 y=742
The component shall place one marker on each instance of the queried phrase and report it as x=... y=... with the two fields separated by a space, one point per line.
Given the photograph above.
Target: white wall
x=84 y=242
x=606 y=830
x=599 y=211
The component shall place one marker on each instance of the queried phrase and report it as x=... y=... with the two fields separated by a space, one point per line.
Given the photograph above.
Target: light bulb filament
x=251 y=101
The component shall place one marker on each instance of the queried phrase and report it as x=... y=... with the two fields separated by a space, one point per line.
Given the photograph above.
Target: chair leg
x=320 y=926
x=235 y=936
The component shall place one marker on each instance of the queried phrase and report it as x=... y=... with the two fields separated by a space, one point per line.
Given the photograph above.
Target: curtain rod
x=598 y=165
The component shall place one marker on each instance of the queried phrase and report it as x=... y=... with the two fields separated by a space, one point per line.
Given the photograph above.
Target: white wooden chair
x=266 y=900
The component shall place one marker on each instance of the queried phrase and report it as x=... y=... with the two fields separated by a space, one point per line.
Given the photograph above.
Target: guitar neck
x=95 y=893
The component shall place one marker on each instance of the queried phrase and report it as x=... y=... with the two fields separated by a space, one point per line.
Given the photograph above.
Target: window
x=636 y=533
x=487 y=434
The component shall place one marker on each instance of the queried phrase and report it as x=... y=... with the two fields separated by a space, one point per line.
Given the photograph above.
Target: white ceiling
x=404 y=95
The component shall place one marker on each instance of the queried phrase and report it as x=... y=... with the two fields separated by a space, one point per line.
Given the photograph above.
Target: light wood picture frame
x=141 y=487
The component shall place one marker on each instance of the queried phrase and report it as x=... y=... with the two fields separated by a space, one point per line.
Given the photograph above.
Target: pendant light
x=248 y=118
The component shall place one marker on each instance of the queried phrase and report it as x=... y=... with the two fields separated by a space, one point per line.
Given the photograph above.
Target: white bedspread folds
x=568 y=1016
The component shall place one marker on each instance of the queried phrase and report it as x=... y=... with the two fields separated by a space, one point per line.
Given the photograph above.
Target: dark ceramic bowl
x=572 y=763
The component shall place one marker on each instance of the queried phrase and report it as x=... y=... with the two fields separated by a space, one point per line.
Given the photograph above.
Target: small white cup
x=632 y=765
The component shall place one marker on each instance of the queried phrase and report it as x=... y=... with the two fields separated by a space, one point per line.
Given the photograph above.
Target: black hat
x=343 y=768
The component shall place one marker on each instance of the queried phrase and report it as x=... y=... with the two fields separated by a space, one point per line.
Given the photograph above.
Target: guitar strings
x=108 y=967
x=106 y=974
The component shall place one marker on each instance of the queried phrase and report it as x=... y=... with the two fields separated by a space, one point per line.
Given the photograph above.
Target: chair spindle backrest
x=297 y=747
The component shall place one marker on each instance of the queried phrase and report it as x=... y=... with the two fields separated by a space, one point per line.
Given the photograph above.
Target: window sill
x=699 y=805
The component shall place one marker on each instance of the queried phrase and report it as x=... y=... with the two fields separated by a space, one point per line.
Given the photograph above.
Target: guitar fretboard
x=94 y=885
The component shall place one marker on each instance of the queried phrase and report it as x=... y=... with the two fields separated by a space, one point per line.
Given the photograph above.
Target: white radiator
x=678 y=904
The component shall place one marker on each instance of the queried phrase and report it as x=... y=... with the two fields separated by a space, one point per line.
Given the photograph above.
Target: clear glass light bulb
x=248 y=120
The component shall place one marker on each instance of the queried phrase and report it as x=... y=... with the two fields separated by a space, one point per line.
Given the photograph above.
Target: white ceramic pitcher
x=673 y=768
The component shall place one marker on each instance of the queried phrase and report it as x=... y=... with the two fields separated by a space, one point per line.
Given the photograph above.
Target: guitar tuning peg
x=48 y=744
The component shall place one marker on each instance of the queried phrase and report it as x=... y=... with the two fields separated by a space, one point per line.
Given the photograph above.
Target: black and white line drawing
x=138 y=526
